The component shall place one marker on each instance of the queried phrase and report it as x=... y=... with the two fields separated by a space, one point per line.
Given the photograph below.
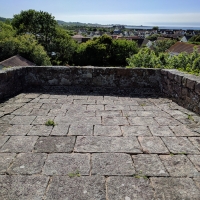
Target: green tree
x=162 y=45
x=122 y=49
x=26 y=46
x=41 y=24
x=6 y=31
x=63 y=47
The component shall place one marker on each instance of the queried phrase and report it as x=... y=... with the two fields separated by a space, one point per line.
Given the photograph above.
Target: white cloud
x=133 y=19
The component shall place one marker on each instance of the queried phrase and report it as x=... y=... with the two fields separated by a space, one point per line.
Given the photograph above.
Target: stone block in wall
x=190 y=83
x=184 y=91
x=197 y=87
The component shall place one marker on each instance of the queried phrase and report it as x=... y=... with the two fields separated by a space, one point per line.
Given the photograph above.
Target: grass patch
x=50 y=123
x=75 y=174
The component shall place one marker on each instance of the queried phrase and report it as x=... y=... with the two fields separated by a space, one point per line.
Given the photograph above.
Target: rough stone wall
x=182 y=88
x=93 y=76
x=12 y=81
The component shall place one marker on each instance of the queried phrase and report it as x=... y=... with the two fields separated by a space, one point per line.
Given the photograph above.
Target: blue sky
x=130 y=12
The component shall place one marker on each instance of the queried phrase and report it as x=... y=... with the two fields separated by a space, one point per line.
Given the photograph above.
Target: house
x=80 y=38
x=185 y=38
x=16 y=61
x=180 y=47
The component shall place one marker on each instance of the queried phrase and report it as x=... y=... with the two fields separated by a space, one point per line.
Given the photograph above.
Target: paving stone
x=17 y=130
x=195 y=141
x=40 y=130
x=64 y=164
x=77 y=188
x=84 y=102
x=81 y=129
x=6 y=119
x=39 y=112
x=149 y=165
x=78 y=120
x=55 y=144
x=182 y=130
x=126 y=102
x=22 y=120
x=161 y=131
x=142 y=121
x=57 y=112
x=112 y=164
x=17 y=144
x=197 y=181
x=100 y=130
x=135 y=108
x=47 y=100
x=145 y=114
x=153 y=145
x=4 y=128
x=163 y=121
x=105 y=102
x=129 y=131
x=44 y=96
x=179 y=166
x=114 y=98
x=117 y=107
x=48 y=106
x=3 y=140
x=129 y=188
x=131 y=113
x=23 y=111
x=28 y=163
x=24 y=100
x=95 y=97
x=195 y=159
x=95 y=107
x=61 y=129
x=151 y=107
x=42 y=120
x=31 y=96
x=180 y=145
x=159 y=113
x=32 y=105
x=107 y=144
x=174 y=188
x=109 y=113
x=5 y=161
x=114 y=121
x=23 y=187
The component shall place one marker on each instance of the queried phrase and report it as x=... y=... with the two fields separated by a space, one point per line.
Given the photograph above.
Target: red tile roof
x=183 y=47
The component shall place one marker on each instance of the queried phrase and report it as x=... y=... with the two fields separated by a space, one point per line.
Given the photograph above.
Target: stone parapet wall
x=182 y=88
x=15 y=80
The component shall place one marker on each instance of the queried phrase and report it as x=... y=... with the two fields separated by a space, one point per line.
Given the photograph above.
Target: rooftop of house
x=180 y=47
x=16 y=61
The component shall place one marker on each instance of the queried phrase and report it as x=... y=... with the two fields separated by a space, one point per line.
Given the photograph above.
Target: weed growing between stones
x=50 y=123
x=140 y=175
x=76 y=174
x=190 y=117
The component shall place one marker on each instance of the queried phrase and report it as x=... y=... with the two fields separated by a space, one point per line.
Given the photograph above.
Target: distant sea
x=163 y=27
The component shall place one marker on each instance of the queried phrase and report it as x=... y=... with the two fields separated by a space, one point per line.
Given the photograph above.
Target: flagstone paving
x=102 y=147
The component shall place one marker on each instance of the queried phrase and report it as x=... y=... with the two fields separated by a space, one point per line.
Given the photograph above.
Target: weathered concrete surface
x=83 y=188
x=104 y=146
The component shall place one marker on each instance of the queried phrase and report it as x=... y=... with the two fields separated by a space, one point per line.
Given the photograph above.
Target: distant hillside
x=60 y=22
x=2 y=19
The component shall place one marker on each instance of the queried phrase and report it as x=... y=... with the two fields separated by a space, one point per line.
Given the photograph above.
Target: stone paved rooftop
x=104 y=146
